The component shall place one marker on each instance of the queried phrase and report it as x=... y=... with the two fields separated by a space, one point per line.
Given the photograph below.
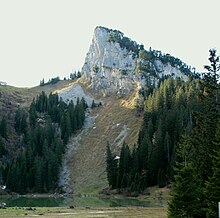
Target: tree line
x=198 y=155
x=167 y=114
x=73 y=75
x=178 y=144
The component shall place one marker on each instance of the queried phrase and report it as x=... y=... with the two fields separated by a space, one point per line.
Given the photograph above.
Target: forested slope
x=178 y=144
x=42 y=143
x=168 y=113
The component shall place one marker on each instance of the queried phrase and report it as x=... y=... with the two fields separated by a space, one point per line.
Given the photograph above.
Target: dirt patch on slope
x=114 y=125
x=84 y=167
x=72 y=146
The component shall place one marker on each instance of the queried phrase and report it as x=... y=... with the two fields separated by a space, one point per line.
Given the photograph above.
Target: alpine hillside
x=116 y=78
x=120 y=73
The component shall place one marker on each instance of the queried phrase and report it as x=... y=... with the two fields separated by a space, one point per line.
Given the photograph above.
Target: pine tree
x=39 y=168
x=32 y=114
x=11 y=180
x=3 y=151
x=206 y=120
x=185 y=201
x=3 y=128
x=124 y=167
x=212 y=185
x=199 y=153
x=111 y=168
x=210 y=82
x=93 y=104
x=212 y=189
x=21 y=165
x=20 y=121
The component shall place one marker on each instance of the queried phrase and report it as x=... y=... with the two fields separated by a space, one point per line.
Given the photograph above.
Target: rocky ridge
x=117 y=65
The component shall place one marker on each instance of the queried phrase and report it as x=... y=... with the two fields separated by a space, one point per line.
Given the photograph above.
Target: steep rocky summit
x=117 y=65
x=107 y=63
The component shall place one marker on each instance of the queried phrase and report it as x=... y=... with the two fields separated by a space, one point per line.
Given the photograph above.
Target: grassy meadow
x=54 y=212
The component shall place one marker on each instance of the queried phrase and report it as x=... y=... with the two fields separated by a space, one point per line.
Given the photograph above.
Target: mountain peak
x=115 y=64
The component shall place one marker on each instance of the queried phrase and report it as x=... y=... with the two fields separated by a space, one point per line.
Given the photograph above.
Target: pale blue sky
x=47 y=38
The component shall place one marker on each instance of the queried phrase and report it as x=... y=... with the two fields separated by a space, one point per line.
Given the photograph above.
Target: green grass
x=89 y=168
x=86 y=212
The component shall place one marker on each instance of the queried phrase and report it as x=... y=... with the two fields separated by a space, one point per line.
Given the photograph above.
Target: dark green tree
x=185 y=201
x=32 y=114
x=212 y=185
x=93 y=104
x=20 y=121
x=3 y=151
x=211 y=85
x=3 y=127
x=200 y=151
x=124 y=167
x=39 y=171
x=111 y=168
x=212 y=188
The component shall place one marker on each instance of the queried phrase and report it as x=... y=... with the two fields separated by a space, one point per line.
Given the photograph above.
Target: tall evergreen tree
x=212 y=185
x=3 y=151
x=32 y=114
x=3 y=128
x=212 y=188
x=111 y=168
x=185 y=194
x=124 y=167
x=202 y=151
x=20 y=121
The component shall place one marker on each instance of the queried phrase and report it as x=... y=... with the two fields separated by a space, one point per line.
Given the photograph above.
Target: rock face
x=111 y=65
x=167 y=69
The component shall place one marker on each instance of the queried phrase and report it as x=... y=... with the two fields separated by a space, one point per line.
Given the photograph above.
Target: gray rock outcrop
x=112 y=64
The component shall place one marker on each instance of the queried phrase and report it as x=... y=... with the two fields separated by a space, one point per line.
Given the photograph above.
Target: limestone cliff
x=116 y=65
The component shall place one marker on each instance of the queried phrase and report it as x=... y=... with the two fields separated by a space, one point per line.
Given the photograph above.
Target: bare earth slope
x=114 y=122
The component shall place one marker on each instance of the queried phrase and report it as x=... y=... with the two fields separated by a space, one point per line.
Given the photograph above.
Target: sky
x=48 y=38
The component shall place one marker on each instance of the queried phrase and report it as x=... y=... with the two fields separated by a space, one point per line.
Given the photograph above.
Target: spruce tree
x=93 y=104
x=32 y=114
x=212 y=188
x=111 y=168
x=200 y=153
x=3 y=151
x=20 y=121
x=185 y=201
x=212 y=185
x=124 y=167
x=3 y=128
